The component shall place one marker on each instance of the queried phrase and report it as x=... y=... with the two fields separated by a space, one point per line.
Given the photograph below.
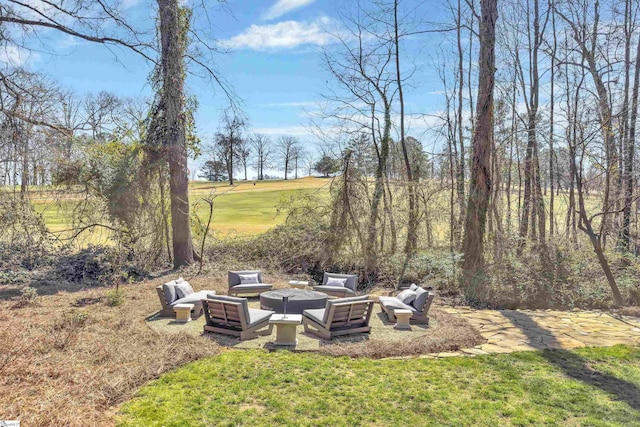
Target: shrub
x=98 y=265
x=28 y=296
x=115 y=297
x=437 y=268
x=65 y=329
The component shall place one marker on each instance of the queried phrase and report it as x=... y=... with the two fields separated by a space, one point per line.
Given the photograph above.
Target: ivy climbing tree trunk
x=480 y=186
x=173 y=42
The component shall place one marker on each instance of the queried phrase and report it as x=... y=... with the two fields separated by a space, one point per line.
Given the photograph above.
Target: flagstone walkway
x=507 y=331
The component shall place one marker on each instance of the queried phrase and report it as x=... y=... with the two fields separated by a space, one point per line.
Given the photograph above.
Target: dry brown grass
x=72 y=366
x=451 y=333
x=630 y=311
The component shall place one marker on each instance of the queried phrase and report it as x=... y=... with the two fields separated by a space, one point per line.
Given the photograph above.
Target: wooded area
x=525 y=180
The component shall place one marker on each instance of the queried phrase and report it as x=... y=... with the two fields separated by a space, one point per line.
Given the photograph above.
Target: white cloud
x=16 y=56
x=283 y=35
x=282 y=7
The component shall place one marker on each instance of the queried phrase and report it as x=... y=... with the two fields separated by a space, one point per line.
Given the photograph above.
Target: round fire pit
x=299 y=300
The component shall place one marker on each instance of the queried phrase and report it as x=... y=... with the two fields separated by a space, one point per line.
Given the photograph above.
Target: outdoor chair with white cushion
x=247 y=282
x=416 y=298
x=232 y=316
x=179 y=291
x=340 y=316
x=338 y=285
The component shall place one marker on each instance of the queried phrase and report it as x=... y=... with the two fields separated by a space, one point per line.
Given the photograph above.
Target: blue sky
x=274 y=65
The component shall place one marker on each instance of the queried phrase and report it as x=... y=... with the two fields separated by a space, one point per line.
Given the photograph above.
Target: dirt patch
x=257 y=408
x=83 y=302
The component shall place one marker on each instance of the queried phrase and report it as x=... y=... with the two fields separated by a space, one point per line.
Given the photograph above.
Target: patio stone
x=518 y=330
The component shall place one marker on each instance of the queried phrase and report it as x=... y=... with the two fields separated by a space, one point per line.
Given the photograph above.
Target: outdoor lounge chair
x=419 y=306
x=247 y=282
x=338 y=285
x=231 y=316
x=340 y=316
x=179 y=291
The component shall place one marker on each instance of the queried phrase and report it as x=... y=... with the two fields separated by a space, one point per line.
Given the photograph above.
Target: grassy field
x=592 y=386
x=251 y=207
x=247 y=208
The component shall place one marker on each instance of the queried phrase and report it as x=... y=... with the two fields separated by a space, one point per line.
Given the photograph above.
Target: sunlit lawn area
x=243 y=209
x=248 y=209
x=251 y=207
x=591 y=386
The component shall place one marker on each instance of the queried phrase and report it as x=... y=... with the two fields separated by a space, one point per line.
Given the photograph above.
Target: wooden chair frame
x=166 y=310
x=229 y=318
x=354 y=315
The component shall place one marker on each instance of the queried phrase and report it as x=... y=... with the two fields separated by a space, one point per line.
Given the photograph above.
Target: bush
x=437 y=268
x=115 y=297
x=98 y=265
x=28 y=295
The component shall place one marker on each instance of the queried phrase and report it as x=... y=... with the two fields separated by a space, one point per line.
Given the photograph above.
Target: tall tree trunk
x=480 y=186
x=461 y=161
x=533 y=202
x=286 y=167
x=629 y=156
x=173 y=43
x=551 y=125
x=230 y=162
x=585 y=225
x=412 y=224
x=24 y=173
x=163 y=210
x=513 y=141
x=379 y=187
x=605 y=117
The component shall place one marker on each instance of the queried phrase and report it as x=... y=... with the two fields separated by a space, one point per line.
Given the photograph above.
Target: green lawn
x=591 y=386
x=247 y=208
x=250 y=207
x=249 y=213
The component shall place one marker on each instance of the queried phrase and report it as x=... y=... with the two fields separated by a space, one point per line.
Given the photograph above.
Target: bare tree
x=298 y=153
x=363 y=68
x=262 y=148
x=309 y=161
x=229 y=140
x=528 y=77
x=480 y=186
x=630 y=142
x=29 y=104
x=286 y=147
x=99 y=22
x=101 y=111
x=244 y=151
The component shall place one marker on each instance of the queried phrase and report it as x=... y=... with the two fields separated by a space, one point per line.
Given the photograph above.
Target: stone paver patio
x=507 y=331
